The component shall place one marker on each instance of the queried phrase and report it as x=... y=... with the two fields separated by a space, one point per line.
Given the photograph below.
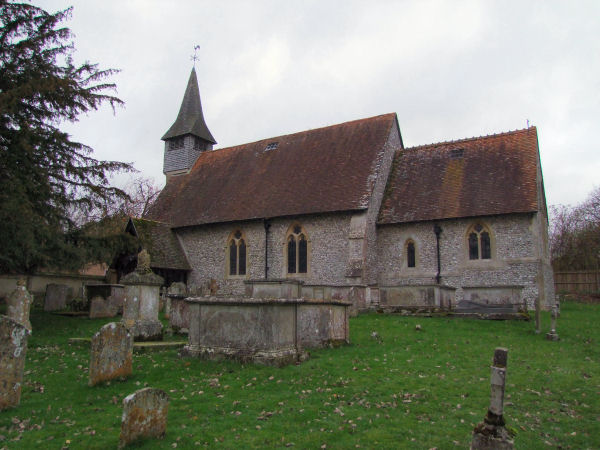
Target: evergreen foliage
x=44 y=175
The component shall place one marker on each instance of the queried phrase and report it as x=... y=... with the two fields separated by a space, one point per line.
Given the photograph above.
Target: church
x=347 y=212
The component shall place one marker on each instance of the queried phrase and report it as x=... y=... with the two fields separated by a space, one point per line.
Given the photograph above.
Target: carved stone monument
x=19 y=303
x=13 y=346
x=491 y=433
x=111 y=353
x=140 y=307
x=144 y=415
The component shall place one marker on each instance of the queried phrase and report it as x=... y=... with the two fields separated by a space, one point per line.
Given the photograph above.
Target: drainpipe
x=267 y=225
x=438 y=230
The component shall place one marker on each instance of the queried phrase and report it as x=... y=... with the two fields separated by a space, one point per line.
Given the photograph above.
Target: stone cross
x=491 y=434
x=13 y=346
x=111 y=353
x=19 y=303
x=144 y=415
x=553 y=335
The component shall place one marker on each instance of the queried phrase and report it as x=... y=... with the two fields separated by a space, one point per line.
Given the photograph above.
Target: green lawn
x=414 y=389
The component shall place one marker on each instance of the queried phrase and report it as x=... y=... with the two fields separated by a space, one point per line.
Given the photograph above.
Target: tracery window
x=237 y=254
x=411 y=254
x=297 y=250
x=480 y=246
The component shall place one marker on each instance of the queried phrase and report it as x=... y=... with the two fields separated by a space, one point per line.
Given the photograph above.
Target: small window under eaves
x=457 y=153
x=271 y=146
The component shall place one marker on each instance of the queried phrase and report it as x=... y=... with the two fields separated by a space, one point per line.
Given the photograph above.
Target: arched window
x=237 y=254
x=480 y=246
x=411 y=254
x=297 y=250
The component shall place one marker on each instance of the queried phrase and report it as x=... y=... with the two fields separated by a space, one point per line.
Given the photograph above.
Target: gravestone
x=13 y=346
x=19 y=303
x=112 y=294
x=491 y=433
x=553 y=335
x=144 y=415
x=111 y=353
x=140 y=307
x=101 y=307
x=56 y=297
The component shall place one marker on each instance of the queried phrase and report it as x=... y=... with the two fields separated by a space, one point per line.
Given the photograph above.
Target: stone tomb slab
x=13 y=346
x=111 y=353
x=263 y=331
x=144 y=415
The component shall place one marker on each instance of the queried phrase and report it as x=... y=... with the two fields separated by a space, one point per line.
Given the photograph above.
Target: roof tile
x=494 y=174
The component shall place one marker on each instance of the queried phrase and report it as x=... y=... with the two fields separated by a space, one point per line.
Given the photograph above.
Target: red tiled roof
x=322 y=170
x=495 y=175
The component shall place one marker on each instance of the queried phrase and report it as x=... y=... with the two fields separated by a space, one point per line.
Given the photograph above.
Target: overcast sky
x=449 y=69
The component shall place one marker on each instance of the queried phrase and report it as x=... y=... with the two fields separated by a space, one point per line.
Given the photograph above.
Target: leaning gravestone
x=111 y=353
x=140 y=307
x=13 y=346
x=56 y=297
x=19 y=303
x=491 y=433
x=144 y=415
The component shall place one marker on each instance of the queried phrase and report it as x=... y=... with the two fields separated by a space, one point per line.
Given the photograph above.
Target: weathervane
x=195 y=57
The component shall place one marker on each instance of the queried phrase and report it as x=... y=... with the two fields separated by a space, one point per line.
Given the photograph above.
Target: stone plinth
x=140 y=307
x=57 y=296
x=264 y=331
x=144 y=416
x=18 y=305
x=111 y=353
x=13 y=346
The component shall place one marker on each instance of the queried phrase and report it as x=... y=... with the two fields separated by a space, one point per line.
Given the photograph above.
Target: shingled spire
x=189 y=135
x=190 y=119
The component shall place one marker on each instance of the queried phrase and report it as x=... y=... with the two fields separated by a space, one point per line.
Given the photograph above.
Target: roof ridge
x=474 y=138
x=302 y=132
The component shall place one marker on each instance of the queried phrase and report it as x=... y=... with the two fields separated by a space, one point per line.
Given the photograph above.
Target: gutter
x=267 y=226
x=438 y=230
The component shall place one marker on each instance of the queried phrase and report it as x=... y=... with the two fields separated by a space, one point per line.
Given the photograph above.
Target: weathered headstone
x=13 y=346
x=19 y=303
x=111 y=353
x=177 y=288
x=491 y=433
x=553 y=335
x=144 y=415
x=100 y=308
x=140 y=307
x=56 y=297
x=113 y=295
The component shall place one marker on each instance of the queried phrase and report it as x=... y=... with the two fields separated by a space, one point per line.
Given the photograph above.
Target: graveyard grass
x=408 y=389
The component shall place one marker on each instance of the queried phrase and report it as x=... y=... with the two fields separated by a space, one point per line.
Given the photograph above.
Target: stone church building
x=346 y=211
